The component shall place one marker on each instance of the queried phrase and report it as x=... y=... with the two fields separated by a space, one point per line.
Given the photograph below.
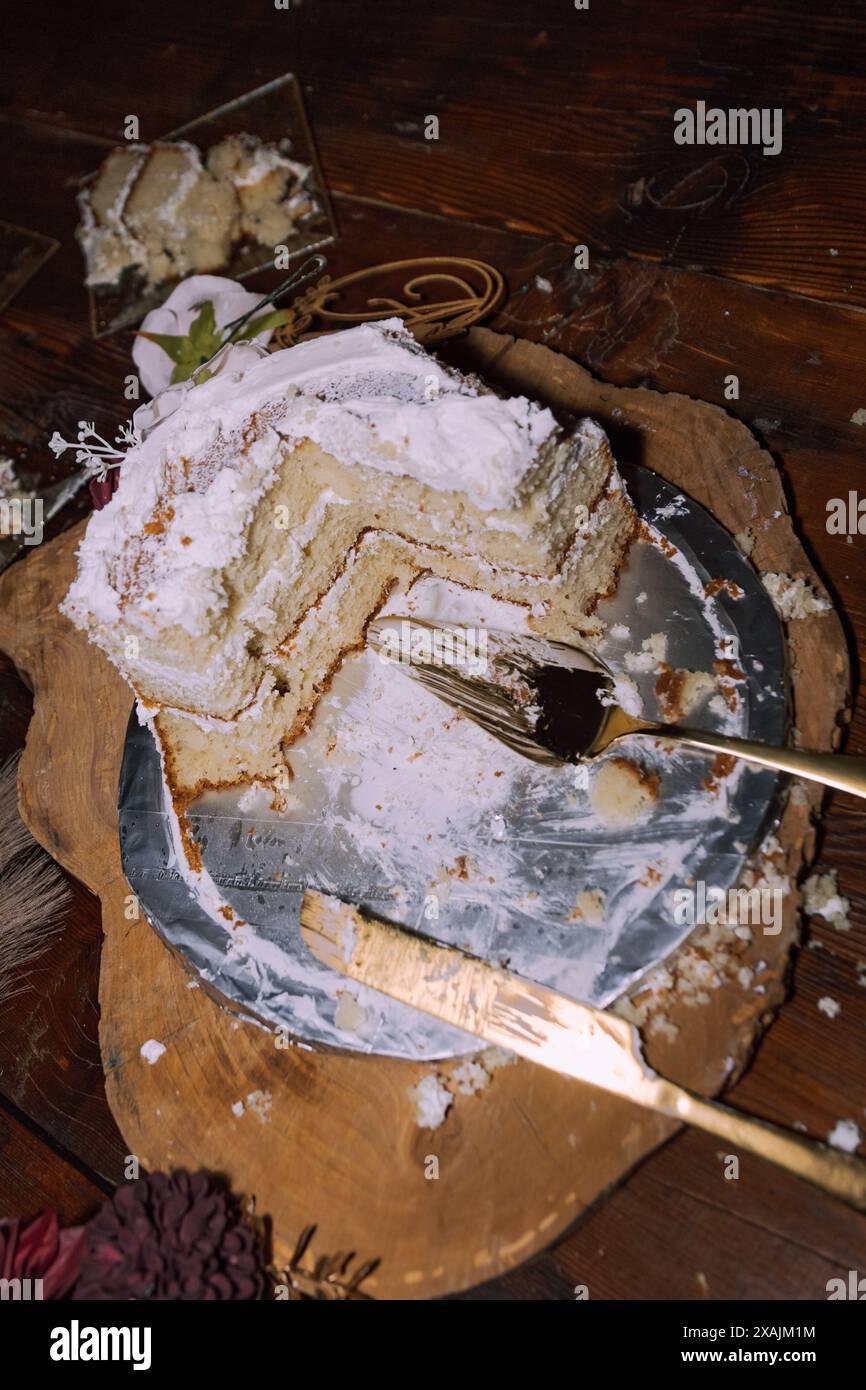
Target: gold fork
x=554 y=702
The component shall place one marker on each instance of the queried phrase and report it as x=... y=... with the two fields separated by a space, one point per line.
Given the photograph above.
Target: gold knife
x=588 y=1044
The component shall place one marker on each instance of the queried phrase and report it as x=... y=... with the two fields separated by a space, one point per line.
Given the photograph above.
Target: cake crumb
x=722 y=766
x=831 y=1007
x=723 y=586
x=474 y=1074
x=711 y=957
x=152 y=1050
x=679 y=692
x=492 y=1058
x=821 y=898
x=794 y=597
x=622 y=792
x=470 y=1077
x=661 y=1026
x=588 y=908
x=626 y=694
x=432 y=1101
x=845 y=1135
x=745 y=540
x=653 y=651
x=351 y=1016
x=260 y=1103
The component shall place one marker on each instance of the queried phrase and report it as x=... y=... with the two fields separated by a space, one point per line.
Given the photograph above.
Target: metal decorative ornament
x=439 y=297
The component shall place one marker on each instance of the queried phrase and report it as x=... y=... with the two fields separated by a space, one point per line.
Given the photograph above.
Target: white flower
x=230 y=300
x=128 y=434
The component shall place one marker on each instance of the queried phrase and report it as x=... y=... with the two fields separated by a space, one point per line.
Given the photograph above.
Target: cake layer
x=270 y=511
x=203 y=752
x=238 y=509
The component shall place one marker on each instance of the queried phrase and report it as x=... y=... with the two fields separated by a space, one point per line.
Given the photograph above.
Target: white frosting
x=367 y=396
x=167 y=210
x=264 y=161
x=102 y=245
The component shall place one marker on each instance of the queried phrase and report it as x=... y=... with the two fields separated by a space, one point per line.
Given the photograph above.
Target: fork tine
x=475 y=697
x=494 y=707
x=506 y=731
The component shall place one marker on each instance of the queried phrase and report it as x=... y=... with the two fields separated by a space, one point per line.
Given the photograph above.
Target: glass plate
x=275 y=113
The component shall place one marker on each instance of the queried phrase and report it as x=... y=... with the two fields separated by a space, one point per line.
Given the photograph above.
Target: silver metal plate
x=539 y=850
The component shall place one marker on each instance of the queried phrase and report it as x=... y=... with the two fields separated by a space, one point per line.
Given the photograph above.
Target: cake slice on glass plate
x=163 y=211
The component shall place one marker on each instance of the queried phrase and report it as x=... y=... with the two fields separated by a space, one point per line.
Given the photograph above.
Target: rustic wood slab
x=332 y=1139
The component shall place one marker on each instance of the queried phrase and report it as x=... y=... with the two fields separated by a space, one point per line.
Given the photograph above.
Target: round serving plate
x=505 y=877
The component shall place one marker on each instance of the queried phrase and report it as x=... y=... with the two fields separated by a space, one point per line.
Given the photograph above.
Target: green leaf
x=171 y=343
x=250 y=330
x=203 y=332
x=191 y=350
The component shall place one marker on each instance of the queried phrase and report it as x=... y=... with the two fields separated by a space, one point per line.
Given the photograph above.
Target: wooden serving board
x=332 y=1139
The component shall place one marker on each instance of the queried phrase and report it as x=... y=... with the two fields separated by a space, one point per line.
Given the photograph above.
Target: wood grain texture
x=33 y=1176
x=552 y=121
x=519 y=1162
x=753 y=1238
x=604 y=110
x=808 y=1070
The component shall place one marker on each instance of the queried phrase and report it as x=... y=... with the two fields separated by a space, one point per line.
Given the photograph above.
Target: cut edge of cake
x=201 y=749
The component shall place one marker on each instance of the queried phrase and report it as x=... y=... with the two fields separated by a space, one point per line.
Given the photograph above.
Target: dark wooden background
x=556 y=128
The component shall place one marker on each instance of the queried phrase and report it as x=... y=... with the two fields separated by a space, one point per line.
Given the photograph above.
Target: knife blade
x=590 y=1045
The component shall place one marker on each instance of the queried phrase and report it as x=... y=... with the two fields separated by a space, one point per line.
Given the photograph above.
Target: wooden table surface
x=555 y=129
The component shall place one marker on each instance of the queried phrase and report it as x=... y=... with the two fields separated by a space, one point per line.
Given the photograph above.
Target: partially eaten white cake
x=163 y=210
x=270 y=512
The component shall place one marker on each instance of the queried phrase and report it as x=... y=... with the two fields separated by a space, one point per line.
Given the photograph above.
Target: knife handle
x=839 y=1173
